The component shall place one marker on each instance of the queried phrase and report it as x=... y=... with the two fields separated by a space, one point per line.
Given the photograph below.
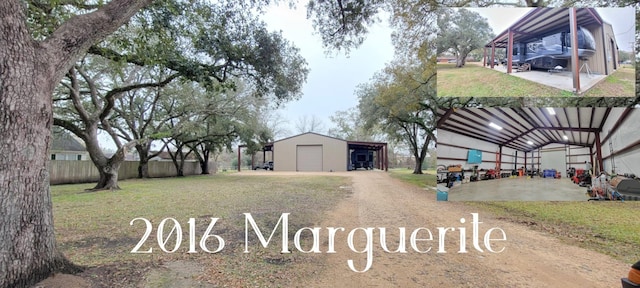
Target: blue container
x=549 y=173
x=442 y=195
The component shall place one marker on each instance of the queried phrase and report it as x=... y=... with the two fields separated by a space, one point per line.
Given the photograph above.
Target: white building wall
x=465 y=143
x=627 y=134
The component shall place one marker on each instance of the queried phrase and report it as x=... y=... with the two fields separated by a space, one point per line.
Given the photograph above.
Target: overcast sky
x=621 y=19
x=332 y=79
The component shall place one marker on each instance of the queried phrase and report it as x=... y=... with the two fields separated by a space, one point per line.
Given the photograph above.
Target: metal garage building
x=316 y=152
x=310 y=152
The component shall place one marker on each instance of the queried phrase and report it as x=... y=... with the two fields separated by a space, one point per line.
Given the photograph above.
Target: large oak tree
x=461 y=31
x=29 y=72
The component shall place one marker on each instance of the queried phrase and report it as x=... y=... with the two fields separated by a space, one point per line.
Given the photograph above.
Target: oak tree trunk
x=29 y=71
x=417 y=169
x=420 y=155
x=28 y=251
x=143 y=164
x=27 y=243
x=204 y=162
x=204 y=167
x=107 y=167
x=108 y=177
x=180 y=168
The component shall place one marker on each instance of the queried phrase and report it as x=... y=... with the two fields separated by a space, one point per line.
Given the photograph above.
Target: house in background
x=66 y=146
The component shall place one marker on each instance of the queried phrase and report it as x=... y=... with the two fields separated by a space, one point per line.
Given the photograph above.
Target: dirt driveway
x=529 y=259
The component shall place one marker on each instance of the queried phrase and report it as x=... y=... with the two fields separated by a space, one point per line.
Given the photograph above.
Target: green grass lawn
x=474 y=80
x=620 y=83
x=612 y=228
x=93 y=228
x=428 y=179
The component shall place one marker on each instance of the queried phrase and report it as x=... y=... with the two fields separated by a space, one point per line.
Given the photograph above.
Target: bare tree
x=311 y=123
x=275 y=123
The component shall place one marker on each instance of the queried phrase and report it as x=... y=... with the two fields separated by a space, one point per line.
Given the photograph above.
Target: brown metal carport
x=382 y=154
x=542 y=21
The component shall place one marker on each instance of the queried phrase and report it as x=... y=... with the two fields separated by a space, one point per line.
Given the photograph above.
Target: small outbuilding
x=310 y=152
x=316 y=152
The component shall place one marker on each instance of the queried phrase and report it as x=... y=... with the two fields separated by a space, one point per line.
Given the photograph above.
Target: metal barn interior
x=543 y=21
x=515 y=148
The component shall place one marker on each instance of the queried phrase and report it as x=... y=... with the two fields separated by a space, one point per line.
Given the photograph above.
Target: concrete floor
x=560 y=80
x=519 y=189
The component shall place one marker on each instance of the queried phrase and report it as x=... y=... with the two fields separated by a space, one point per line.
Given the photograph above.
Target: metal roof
x=65 y=141
x=351 y=144
x=544 y=21
x=520 y=125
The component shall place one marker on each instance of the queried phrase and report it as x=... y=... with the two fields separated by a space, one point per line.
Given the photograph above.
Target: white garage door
x=309 y=158
x=554 y=160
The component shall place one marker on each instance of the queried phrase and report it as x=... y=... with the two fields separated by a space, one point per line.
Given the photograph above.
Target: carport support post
x=575 y=61
x=599 y=153
x=493 y=53
x=386 y=158
x=539 y=157
x=604 y=51
x=499 y=163
x=510 y=54
x=239 y=148
x=591 y=160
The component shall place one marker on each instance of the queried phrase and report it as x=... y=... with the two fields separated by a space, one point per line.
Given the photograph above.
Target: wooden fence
x=62 y=172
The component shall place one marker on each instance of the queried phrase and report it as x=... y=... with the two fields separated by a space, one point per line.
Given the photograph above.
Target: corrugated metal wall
x=334 y=152
x=604 y=60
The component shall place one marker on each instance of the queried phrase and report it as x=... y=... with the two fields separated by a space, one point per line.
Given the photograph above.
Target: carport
x=379 y=148
x=528 y=141
x=545 y=21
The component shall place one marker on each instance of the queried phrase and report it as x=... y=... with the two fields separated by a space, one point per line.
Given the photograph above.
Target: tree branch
x=110 y=96
x=77 y=34
x=74 y=94
x=69 y=126
x=185 y=69
x=47 y=7
x=93 y=91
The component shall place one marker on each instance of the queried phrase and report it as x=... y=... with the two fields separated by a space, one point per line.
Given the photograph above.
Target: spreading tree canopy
x=461 y=31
